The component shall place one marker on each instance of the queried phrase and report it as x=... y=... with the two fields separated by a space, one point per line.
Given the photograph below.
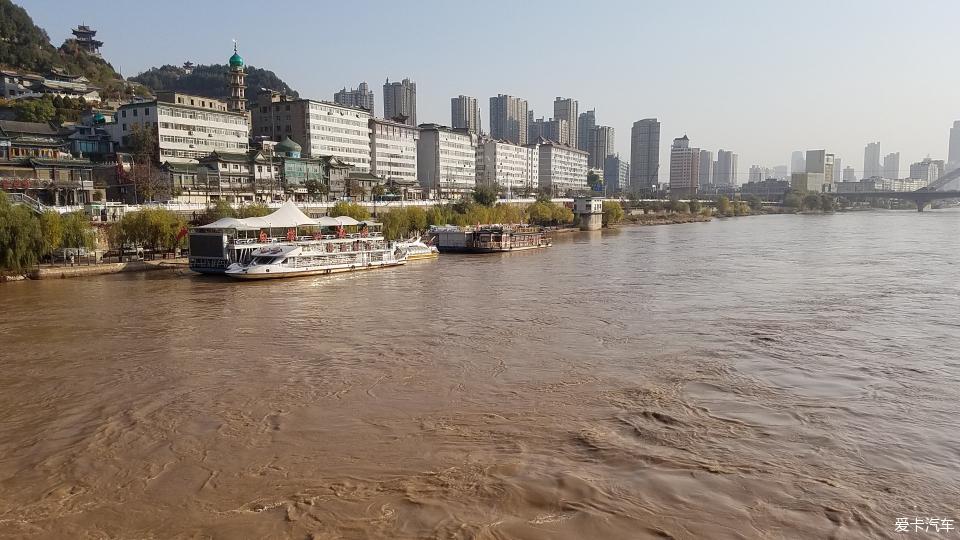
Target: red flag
x=181 y=233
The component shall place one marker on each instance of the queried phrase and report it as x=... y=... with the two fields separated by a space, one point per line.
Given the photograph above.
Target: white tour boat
x=289 y=243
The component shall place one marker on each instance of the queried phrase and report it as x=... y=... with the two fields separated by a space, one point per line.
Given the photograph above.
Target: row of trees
x=27 y=238
x=156 y=229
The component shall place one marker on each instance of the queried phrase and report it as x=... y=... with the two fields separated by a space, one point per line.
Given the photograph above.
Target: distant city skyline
x=763 y=123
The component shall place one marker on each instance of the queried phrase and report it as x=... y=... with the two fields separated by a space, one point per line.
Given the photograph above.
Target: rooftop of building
x=279 y=97
x=12 y=128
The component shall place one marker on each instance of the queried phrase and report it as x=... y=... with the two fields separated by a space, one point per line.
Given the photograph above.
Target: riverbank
x=64 y=272
x=665 y=219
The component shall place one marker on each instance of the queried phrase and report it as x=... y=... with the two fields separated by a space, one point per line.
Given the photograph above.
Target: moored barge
x=490 y=238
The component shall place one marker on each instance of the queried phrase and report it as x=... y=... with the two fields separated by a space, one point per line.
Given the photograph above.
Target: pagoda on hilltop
x=86 y=39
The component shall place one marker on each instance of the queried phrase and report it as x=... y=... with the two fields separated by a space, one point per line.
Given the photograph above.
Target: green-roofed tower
x=238 y=99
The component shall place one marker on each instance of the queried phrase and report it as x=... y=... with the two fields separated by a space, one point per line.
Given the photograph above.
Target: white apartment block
x=446 y=159
x=514 y=168
x=393 y=150
x=320 y=127
x=562 y=168
x=187 y=127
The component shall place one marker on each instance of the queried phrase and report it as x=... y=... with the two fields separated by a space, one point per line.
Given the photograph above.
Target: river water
x=761 y=377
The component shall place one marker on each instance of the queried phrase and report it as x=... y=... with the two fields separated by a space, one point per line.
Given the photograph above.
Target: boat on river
x=417 y=249
x=289 y=243
x=490 y=238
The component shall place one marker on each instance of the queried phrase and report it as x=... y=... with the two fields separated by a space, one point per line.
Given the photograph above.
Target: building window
x=123 y=113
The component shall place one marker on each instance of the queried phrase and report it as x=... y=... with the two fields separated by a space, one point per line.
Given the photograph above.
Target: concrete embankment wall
x=105 y=268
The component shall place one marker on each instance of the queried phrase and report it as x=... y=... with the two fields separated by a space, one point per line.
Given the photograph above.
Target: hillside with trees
x=26 y=47
x=209 y=80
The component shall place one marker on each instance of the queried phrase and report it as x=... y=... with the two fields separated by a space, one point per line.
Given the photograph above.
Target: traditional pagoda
x=85 y=37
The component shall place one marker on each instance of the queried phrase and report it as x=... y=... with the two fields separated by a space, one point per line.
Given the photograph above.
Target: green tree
x=695 y=206
x=219 y=210
x=416 y=219
x=595 y=181
x=51 y=230
x=723 y=205
x=612 y=213
x=396 y=224
x=253 y=210
x=755 y=203
x=21 y=240
x=811 y=202
x=345 y=208
x=378 y=191
x=793 y=199
x=436 y=216
x=562 y=215
x=312 y=186
x=77 y=231
x=485 y=195
x=826 y=203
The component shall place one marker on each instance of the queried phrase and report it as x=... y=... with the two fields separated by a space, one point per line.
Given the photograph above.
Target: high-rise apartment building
x=706 y=168
x=508 y=119
x=684 y=168
x=644 y=154
x=400 y=101
x=361 y=96
x=891 y=165
x=821 y=163
x=321 y=128
x=465 y=113
x=797 y=162
x=567 y=109
x=725 y=172
x=585 y=123
x=871 y=161
x=552 y=129
x=953 y=152
x=849 y=175
x=601 y=145
x=837 y=170
x=928 y=170
x=755 y=174
x=616 y=174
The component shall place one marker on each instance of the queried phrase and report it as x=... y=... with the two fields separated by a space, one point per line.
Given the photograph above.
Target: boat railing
x=306 y=238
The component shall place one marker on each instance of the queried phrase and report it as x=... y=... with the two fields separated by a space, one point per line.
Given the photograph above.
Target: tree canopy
x=209 y=80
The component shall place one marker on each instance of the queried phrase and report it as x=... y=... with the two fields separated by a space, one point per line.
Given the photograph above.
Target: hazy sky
x=761 y=78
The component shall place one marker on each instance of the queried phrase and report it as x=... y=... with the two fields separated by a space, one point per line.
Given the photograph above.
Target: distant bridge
x=921 y=197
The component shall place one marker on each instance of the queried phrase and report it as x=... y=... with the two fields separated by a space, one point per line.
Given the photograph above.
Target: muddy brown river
x=762 y=377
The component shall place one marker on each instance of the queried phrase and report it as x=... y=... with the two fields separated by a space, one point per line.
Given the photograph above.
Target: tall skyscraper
x=400 y=101
x=821 y=163
x=361 y=96
x=928 y=170
x=871 y=161
x=837 y=170
x=706 y=168
x=508 y=119
x=644 y=154
x=849 y=175
x=891 y=165
x=953 y=153
x=552 y=129
x=684 y=168
x=465 y=113
x=601 y=144
x=756 y=173
x=797 y=162
x=566 y=109
x=725 y=173
x=585 y=123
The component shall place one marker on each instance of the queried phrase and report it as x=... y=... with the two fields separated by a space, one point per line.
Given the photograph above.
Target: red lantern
x=291 y=234
x=341 y=232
